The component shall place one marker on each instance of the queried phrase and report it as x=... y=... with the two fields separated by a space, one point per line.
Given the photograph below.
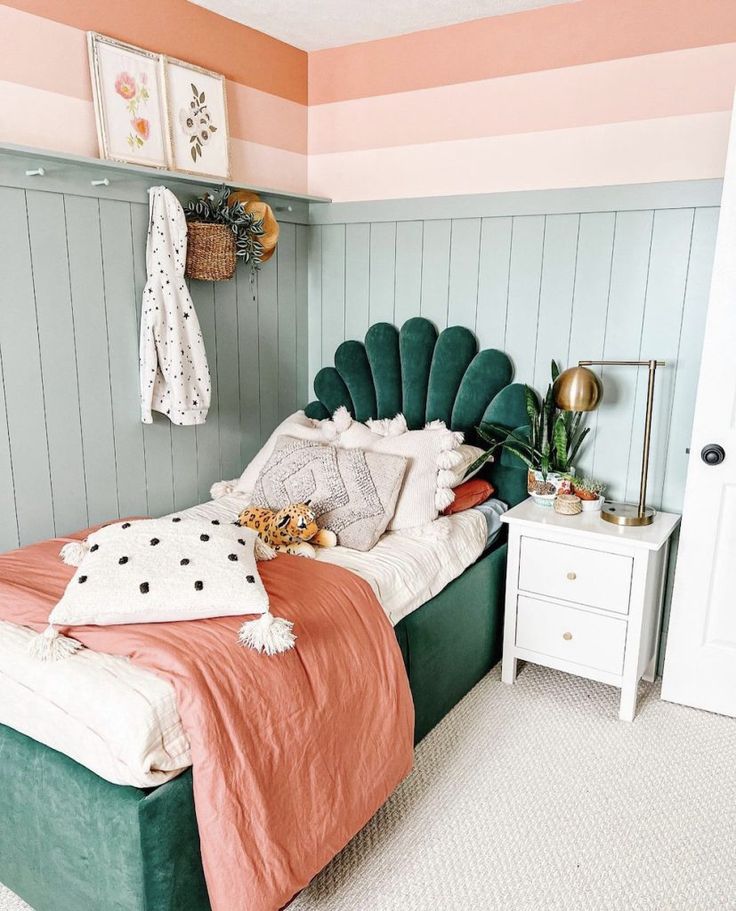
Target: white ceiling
x=315 y=24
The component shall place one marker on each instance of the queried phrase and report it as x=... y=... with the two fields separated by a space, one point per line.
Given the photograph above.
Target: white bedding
x=121 y=721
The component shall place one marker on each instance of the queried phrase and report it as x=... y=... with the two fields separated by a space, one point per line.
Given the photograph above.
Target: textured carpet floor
x=536 y=797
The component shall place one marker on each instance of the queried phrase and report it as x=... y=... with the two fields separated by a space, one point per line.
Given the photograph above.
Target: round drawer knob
x=572 y=576
x=567 y=636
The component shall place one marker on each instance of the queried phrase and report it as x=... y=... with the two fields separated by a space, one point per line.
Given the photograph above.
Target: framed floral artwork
x=129 y=102
x=197 y=118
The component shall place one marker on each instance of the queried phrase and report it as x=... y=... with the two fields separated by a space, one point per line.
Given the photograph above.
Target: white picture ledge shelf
x=39 y=169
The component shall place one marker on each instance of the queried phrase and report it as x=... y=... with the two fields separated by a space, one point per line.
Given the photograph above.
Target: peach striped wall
x=47 y=95
x=590 y=93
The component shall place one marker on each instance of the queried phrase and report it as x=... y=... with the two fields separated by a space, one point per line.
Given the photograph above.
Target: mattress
x=121 y=721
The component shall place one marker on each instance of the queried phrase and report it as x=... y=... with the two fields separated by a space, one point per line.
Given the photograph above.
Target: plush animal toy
x=291 y=530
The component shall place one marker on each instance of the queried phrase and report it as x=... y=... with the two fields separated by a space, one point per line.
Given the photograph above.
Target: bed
x=63 y=823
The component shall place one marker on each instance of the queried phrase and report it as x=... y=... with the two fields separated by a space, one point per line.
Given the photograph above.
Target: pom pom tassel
x=50 y=645
x=74 y=552
x=443 y=497
x=222 y=489
x=342 y=419
x=267 y=634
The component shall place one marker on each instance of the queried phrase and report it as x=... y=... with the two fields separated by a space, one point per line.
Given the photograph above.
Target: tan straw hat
x=262 y=211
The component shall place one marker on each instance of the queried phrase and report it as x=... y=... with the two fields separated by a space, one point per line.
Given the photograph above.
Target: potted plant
x=548 y=446
x=590 y=493
x=218 y=234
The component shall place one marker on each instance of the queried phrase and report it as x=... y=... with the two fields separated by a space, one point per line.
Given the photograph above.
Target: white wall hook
x=284 y=208
x=104 y=182
x=35 y=172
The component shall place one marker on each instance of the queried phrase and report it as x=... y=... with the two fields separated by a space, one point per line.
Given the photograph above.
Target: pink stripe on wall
x=669 y=148
x=543 y=39
x=46 y=55
x=692 y=81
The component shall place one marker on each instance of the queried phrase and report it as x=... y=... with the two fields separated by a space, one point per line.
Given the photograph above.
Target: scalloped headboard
x=428 y=377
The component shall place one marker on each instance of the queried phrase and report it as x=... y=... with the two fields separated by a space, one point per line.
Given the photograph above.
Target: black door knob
x=712 y=454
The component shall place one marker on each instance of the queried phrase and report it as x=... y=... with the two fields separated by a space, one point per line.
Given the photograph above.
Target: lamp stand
x=627 y=513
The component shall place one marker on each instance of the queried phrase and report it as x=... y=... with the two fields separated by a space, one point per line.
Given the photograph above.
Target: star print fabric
x=175 y=378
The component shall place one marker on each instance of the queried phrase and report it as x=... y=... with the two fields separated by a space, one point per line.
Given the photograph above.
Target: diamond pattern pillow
x=352 y=492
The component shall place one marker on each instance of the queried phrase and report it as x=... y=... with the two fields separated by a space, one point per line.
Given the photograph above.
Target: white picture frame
x=198 y=135
x=129 y=102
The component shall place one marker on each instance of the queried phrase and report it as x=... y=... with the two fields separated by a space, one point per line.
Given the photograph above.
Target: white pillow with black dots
x=162 y=570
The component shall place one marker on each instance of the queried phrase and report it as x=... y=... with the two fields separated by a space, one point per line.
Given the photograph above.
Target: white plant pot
x=593 y=505
x=544 y=490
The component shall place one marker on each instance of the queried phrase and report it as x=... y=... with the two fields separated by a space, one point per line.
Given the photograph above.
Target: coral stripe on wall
x=191 y=33
x=541 y=39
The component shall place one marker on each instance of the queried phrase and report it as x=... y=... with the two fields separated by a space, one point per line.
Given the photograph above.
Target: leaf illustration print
x=196 y=123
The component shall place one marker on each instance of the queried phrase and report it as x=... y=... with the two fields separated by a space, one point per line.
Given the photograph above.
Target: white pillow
x=161 y=570
x=431 y=454
x=466 y=454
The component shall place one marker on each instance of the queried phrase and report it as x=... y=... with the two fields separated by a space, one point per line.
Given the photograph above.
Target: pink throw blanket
x=292 y=754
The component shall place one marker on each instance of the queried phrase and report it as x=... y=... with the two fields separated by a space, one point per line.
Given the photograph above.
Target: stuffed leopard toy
x=292 y=530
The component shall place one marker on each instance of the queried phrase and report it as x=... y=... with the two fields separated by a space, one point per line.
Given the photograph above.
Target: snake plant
x=550 y=443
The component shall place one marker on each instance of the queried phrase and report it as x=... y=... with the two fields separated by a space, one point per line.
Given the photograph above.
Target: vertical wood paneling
x=333 y=289
x=286 y=266
x=9 y=538
x=208 y=434
x=22 y=373
x=357 y=280
x=464 y=271
x=493 y=281
x=250 y=366
x=314 y=300
x=50 y=267
x=302 y=316
x=522 y=312
x=228 y=381
x=436 y=270
x=382 y=277
x=268 y=346
x=408 y=284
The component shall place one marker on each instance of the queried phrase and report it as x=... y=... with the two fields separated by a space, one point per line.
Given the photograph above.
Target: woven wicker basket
x=210 y=252
x=567 y=504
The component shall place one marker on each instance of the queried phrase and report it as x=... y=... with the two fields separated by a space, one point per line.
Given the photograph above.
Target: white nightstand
x=585 y=596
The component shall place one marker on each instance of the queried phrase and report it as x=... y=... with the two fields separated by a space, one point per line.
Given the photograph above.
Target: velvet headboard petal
x=416 y=343
x=455 y=349
x=428 y=377
x=382 y=345
x=352 y=364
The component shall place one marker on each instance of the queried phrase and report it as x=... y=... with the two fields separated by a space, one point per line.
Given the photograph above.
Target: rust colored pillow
x=468 y=494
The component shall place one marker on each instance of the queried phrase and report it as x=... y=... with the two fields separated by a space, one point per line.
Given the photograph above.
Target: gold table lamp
x=579 y=389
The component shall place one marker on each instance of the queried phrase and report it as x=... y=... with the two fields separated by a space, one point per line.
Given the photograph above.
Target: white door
x=700 y=662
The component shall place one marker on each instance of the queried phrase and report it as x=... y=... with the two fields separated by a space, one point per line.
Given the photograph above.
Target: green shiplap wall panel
x=493 y=281
x=357 y=280
x=73 y=449
x=122 y=311
x=89 y=307
x=23 y=381
x=50 y=265
x=464 y=271
x=382 y=272
x=568 y=275
x=436 y=245
x=314 y=303
x=408 y=283
x=522 y=311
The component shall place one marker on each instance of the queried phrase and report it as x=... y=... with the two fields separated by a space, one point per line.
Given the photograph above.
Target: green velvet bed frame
x=70 y=841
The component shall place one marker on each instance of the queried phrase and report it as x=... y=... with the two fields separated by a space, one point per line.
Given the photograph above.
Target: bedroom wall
x=47 y=93
x=73 y=450
x=613 y=272
x=592 y=93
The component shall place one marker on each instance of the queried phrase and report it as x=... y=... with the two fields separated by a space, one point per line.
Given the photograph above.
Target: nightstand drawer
x=591 y=577
x=571 y=634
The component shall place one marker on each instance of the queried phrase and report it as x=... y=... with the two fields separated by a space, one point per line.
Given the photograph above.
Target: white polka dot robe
x=175 y=378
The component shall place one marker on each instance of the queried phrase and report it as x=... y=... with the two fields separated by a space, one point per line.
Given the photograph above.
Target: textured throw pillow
x=469 y=494
x=352 y=492
x=160 y=570
x=427 y=487
x=466 y=454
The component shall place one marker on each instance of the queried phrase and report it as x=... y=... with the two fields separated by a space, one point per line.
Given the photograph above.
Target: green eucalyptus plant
x=550 y=443
x=247 y=229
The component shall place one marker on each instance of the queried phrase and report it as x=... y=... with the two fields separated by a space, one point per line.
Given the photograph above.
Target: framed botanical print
x=129 y=102
x=197 y=118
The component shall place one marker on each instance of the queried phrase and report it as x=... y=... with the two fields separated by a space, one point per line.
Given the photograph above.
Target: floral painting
x=128 y=102
x=197 y=109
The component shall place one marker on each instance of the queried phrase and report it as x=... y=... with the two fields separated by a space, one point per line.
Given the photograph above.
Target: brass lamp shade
x=577 y=389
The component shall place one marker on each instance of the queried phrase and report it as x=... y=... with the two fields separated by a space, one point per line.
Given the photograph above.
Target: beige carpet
x=536 y=797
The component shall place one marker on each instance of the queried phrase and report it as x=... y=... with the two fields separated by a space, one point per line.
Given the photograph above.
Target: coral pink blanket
x=292 y=754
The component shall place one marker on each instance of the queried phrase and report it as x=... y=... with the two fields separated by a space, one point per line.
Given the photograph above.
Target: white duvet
x=121 y=721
